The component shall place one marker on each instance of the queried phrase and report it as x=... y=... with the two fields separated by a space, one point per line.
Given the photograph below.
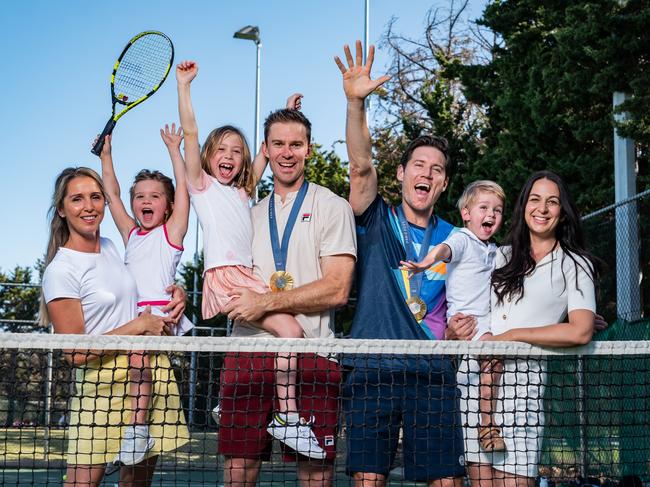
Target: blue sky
x=58 y=58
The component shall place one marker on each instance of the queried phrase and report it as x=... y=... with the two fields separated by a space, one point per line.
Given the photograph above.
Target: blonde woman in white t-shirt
x=222 y=179
x=88 y=290
x=543 y=293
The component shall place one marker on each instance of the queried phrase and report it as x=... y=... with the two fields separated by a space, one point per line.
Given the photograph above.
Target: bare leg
x=140 y=475
x=483 y=475
x=315 y=474
x=140 y=386
x=447 y=482
x=510 y=480
x=241 y=472
x=84 y=475
x=368 y=479
x=286 y=364
x=489 y=435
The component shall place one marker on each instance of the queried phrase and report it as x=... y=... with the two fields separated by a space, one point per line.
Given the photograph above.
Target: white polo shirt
x=469 y=271
x=550 y=293
x=324 y=227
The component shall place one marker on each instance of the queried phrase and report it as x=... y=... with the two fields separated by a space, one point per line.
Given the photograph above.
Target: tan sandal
x=490 y=439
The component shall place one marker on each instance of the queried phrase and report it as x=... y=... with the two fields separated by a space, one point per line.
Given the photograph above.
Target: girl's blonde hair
x=473 y=189
x=59 y=231
x=246 y=178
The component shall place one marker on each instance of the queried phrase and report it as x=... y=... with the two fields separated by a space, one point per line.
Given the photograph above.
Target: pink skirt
x=219 y=282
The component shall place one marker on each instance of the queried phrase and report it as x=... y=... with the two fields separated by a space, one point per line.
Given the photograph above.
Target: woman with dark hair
x=87 y=289
x=543 y=293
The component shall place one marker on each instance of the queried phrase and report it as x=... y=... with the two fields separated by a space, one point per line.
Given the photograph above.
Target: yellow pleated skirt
x=102 y=407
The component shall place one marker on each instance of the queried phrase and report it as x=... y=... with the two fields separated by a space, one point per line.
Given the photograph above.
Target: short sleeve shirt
x=101 y=282
x=557 y=285
x=324 y=227
x=382 y=312
x=469 y=273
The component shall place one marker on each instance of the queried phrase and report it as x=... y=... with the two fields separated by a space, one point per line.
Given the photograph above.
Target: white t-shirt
x=100 y=281
x=550 y=293
x=225 y=216
x=469 y=273
x=324 y=227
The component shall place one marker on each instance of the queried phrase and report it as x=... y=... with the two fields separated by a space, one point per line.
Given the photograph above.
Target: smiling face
x=543 y=209
x=423 y=179
x=227 y=159
x=149 y=204
x=287 y=147
x=484 y=215
x=83 y=208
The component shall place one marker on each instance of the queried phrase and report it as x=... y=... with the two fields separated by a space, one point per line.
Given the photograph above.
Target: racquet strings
x=142 y=68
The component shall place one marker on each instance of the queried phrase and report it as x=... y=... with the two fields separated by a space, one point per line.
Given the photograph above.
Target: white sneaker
x=298 y=436
x=216 y=413
x=135 y=445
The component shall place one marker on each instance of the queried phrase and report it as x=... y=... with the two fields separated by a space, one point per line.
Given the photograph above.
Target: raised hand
x=186 y=71
x=106 y=149
x=294 y=102
x=356 y=77
x=172 y=137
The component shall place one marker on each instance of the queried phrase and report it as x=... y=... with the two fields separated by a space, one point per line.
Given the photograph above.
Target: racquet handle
x=108 y=130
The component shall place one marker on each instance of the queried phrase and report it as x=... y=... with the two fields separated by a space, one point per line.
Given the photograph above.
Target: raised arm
x=294 y=102
x=177 y=222
x=357 y=85
x=186 y=71
x=121 y=217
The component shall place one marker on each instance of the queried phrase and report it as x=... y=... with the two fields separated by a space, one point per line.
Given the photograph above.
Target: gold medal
x=281 y=281
x=417 y=307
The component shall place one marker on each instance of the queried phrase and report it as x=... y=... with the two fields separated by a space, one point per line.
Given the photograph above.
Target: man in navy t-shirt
x=384 y=394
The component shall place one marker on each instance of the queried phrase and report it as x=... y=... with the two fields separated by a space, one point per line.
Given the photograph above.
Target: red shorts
x=247 y=400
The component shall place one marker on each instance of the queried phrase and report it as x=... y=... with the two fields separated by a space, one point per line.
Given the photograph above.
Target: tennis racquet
x=138 y=73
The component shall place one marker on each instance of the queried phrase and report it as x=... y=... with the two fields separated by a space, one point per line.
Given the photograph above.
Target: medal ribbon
x=415 y=281
x=280 y=250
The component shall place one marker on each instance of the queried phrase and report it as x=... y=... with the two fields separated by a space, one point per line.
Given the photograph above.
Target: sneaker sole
x=311 y=454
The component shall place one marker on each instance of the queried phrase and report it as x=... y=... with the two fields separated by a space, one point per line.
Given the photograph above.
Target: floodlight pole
x=366 y=39
x=252 y=33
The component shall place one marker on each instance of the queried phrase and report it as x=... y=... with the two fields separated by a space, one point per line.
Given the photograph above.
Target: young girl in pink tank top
x=222 y=180
x=153 y=238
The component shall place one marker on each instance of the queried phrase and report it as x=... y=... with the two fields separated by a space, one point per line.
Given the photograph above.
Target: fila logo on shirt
x=306 y=217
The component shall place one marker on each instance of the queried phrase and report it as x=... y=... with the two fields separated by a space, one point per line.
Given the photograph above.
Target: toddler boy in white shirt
x=470 y=259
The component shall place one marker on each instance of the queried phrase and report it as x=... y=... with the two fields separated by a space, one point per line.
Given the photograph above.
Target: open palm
x=357 y=83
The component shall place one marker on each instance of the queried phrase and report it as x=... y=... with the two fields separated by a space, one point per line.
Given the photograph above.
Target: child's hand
x=186 y=71
x=172 y=137
x=106 y=149
x=413 y=267
x=294 y=102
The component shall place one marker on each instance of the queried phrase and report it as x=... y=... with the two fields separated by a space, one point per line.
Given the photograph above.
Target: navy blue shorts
x=377 y=403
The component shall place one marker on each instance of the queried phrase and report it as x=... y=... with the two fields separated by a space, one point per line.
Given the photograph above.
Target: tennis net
x=574 y=416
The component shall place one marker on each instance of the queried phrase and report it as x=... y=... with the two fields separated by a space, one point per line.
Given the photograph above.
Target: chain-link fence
x=619 y=235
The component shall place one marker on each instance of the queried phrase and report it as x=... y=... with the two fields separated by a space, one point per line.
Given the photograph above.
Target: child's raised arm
x=439 y=252
x=294 y=102
x=186 y=71
x=177 y=222
x=122 y=219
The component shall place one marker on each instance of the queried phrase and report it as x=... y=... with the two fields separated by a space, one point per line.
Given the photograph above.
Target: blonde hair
x=473 y=190
x=59 y=231
x=246 y=178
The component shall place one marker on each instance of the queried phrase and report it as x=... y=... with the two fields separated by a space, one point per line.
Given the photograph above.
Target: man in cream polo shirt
x=319 y=258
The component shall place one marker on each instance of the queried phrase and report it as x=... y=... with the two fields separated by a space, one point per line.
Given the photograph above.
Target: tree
x=547 y=91
x=420 y=98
